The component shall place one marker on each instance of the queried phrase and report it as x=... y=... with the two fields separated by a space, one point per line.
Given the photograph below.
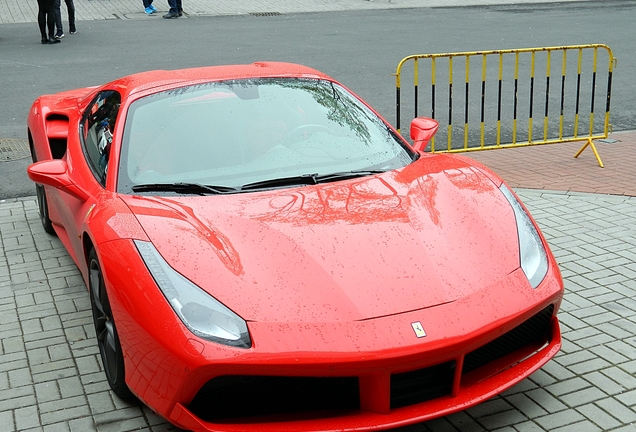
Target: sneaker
x=53 y=41
x=73 y=30
x=171 y=15
x=154 y=9
x=59 y=36
x=149 y=11
x=180 y=13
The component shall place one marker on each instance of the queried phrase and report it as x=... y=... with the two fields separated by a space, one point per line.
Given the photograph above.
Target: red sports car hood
x=425 y=235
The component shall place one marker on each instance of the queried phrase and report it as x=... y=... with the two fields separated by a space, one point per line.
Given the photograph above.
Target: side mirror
x=422 y=130
x=54 y=173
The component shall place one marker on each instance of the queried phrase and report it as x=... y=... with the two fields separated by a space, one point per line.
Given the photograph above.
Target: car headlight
x=201 y=313
x=534 y=259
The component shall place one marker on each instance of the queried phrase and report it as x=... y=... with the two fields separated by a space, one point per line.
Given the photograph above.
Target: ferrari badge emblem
x=418 y=329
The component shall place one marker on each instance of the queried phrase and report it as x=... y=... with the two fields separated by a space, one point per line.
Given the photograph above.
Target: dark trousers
x=46 y=17
x=175 y=6
x=70 y=7
x=147 y=3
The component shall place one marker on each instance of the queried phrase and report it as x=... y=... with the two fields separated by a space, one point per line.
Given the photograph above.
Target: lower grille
x=534 y=330
x=226 y=399
x=422 y=385
x=235 y=396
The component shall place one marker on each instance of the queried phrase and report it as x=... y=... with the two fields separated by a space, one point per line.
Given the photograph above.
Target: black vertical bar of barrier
x=531 y=95
x=609 y=90
x=433 y=101
x=483 y=100
x=547 y=95
x=562 y=94
x=397 y=108
x=450 y=104
x=514 y=107
x=563 y=74
x=593 y=91
x=416 y=93
x=499 y=103
x=466 y=106
x=578 y=93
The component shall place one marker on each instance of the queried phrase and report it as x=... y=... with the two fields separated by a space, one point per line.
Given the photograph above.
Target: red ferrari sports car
x=263 y=251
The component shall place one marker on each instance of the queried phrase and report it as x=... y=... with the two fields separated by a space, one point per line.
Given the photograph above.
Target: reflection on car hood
x=421 y=236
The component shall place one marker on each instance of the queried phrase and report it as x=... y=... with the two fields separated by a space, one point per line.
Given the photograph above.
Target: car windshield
x=231 y=134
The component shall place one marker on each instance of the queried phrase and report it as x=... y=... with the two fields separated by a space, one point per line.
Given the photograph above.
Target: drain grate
x=264 y=14
x=13 y=149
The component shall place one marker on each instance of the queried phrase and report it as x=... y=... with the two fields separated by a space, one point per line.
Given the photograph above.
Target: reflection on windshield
x=232 y=133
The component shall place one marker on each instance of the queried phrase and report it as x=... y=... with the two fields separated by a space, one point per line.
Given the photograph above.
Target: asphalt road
x=359 y=48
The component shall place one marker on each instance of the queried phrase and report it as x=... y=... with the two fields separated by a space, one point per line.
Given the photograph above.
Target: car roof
x=163 y=79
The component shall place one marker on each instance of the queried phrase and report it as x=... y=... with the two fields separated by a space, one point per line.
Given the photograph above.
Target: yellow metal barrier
x=512 y=73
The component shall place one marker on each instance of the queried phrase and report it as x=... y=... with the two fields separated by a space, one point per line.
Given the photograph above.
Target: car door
x=88 y=167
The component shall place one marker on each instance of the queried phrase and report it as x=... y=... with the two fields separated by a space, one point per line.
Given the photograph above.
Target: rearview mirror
x=54 y=173
x=422 y=130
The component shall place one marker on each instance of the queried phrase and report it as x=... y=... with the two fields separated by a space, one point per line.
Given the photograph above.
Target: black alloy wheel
x=105 y=330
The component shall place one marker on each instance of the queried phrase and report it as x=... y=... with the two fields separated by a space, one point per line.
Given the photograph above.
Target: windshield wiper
x=202 y=189
x=307 y=179
x=184 y=188
x=325 y=178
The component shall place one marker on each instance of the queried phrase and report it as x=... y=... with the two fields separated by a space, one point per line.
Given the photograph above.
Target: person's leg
x=148 y=8
x=58 y=18
x=42 y=20
x=174 y=9
x=50 y=20
x=70 y=8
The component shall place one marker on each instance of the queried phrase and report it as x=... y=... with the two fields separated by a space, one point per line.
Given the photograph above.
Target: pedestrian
x=70 y=8
x=46 y=19
x=149 y=8
x=175 y=9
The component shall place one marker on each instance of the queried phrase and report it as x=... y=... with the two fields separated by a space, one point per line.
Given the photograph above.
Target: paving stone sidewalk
x=51 y=377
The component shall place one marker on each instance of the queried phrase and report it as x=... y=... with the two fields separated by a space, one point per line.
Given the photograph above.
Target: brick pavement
x=554 y=167
x=50 y=373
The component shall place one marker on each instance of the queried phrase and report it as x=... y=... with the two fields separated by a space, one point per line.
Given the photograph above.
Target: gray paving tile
x=601 y=418
x=583 y=426
x=624 y=414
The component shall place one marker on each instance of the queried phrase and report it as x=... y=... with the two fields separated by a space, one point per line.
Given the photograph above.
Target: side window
x=97 y=126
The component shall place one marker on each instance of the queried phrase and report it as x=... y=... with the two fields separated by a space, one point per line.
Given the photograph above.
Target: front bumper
x=374 y=374
x=386 y=398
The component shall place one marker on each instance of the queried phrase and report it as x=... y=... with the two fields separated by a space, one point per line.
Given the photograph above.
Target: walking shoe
x=73 y=30
x=53 y=41
x=171 y=15
x=154 y=9
x=59 y=36
x=181 y=13
x=45 y=41
x=149 y=11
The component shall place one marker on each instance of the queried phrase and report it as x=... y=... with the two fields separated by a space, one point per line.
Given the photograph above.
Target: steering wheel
x=302 y=132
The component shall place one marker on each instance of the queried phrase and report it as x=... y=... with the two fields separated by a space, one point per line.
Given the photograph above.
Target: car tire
x=44 y=210
x=105 y=330
x=43 y=206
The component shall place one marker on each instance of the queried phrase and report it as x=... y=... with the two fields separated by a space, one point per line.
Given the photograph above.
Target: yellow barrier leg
x=591 y=144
